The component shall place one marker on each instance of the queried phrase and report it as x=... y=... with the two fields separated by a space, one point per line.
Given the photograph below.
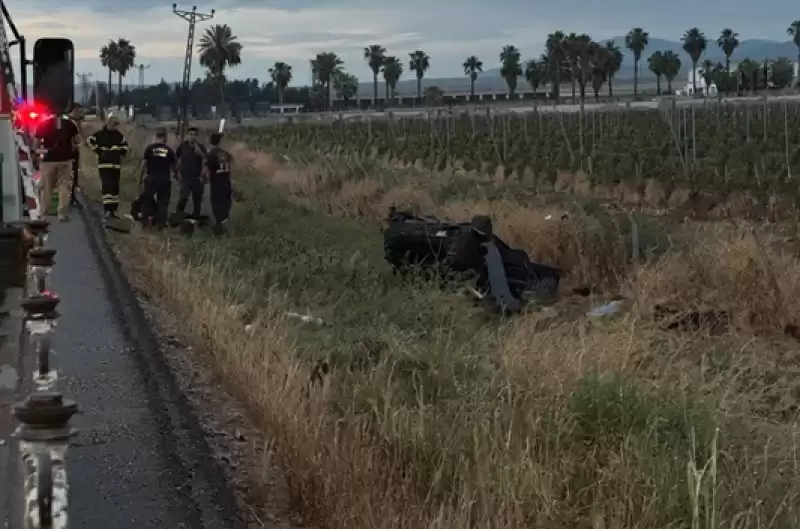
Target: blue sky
x=295 y=30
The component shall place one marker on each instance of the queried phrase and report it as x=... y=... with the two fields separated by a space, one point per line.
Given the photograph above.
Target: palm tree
x=325 y=67
x=636 y=40
x=534 y=74
x=728 y=41
x=599 y=63
x=656 y=64
x=125 y=59
x=555 y=59
x=392 y=70
x=794 y=31
x=782 y=72
x=613 y=63
x=510 y=67
x=671 y=68
x=419 y=64
x=748 y=73
x=219 y=50
x=694 y=43
x=472 y=67
x=346 y=86
x=709 y=70
x=374 y=55
x=583 y=50
x=108 y=58
x=281 y=75
x=570 y=48
x=434 y=96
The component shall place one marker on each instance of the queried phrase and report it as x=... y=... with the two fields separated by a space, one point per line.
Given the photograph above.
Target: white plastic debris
x=612 y=307
x=305 y=318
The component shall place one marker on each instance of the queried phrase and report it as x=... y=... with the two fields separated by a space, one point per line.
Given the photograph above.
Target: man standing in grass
x=110 y=146
x=158 y=164
x=191 y=157
x=218 y=168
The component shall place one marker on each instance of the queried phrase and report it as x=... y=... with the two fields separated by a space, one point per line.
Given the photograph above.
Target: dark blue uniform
x=160 y=162
x=191 y=166
x=218 y=162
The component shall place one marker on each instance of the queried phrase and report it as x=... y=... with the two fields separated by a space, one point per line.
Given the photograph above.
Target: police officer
x=158 y=164
x=110 y=146
x=191 y=157
x=218 y=169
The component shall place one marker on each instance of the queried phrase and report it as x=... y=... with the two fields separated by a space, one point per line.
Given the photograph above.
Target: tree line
x=572 y=58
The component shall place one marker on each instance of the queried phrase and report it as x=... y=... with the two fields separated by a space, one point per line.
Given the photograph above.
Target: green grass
x=422 y=370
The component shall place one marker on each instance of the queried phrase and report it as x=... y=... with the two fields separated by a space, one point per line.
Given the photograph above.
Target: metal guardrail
x=43 y=433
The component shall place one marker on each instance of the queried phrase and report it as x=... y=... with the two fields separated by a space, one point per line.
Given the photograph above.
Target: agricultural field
x=392 y=402
x=716 y=150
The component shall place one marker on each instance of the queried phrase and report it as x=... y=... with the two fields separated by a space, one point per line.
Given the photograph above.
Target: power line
x=142 y=68
x=192 y=17
x=84 y=77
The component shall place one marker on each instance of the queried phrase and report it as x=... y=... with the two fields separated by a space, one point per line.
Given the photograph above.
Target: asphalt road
x=139 y=461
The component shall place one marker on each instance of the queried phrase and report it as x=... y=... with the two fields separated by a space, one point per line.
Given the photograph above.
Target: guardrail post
x=12 y=251
x=44 y=440
x=40 y=322
x=40 y=266
x=40 y=230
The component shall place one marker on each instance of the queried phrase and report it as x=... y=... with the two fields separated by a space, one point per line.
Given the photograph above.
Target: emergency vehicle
x=53 y=83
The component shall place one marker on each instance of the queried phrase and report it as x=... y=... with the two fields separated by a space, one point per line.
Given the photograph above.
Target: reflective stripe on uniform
x=114 y=148
x=109 y=166
x=110 y=199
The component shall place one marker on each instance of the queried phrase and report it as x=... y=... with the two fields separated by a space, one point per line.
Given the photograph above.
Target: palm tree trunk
x=280 y=95
x=472 y=88
x=387 y=93
x=375 y=90
x=419 y=87
x=635 y=78
x=694 y=78
x=658 y=84
x=669 y=86
x=728 y=74
x=610 y=88
x=110 y=90
x=573 y=82
x=557 y=87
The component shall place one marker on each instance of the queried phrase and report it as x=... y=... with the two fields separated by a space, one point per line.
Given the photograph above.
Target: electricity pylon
x=192 y=17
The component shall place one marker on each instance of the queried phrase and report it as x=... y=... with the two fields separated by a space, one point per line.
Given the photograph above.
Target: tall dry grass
x=551 y=420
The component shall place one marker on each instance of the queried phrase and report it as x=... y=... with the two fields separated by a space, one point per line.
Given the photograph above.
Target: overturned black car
x=467 y=251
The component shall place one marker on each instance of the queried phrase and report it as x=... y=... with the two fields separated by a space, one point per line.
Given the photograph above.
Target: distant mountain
x=490 y=80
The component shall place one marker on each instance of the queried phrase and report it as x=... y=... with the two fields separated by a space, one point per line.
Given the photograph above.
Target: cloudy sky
x=295 y=30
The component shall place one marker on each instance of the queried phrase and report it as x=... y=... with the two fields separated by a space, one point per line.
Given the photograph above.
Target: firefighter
x=218 y=170
x=158 y=164
x=191 y=159
x=110 y=147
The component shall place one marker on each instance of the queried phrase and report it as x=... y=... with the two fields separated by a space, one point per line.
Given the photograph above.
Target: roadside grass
x=410 y=408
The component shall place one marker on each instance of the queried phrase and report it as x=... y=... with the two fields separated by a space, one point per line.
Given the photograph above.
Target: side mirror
x=54 y=73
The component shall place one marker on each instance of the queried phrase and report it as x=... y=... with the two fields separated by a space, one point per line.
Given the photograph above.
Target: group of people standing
x=191 y=165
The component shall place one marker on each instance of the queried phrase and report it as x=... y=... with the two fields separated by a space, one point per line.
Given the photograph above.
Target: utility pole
x=192 y=17
x=142 y=68
x=84 y=77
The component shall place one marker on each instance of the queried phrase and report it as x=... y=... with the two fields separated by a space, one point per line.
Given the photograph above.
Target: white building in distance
x=710 y=90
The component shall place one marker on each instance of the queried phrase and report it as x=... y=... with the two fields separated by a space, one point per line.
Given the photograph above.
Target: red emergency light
x=29 y=114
